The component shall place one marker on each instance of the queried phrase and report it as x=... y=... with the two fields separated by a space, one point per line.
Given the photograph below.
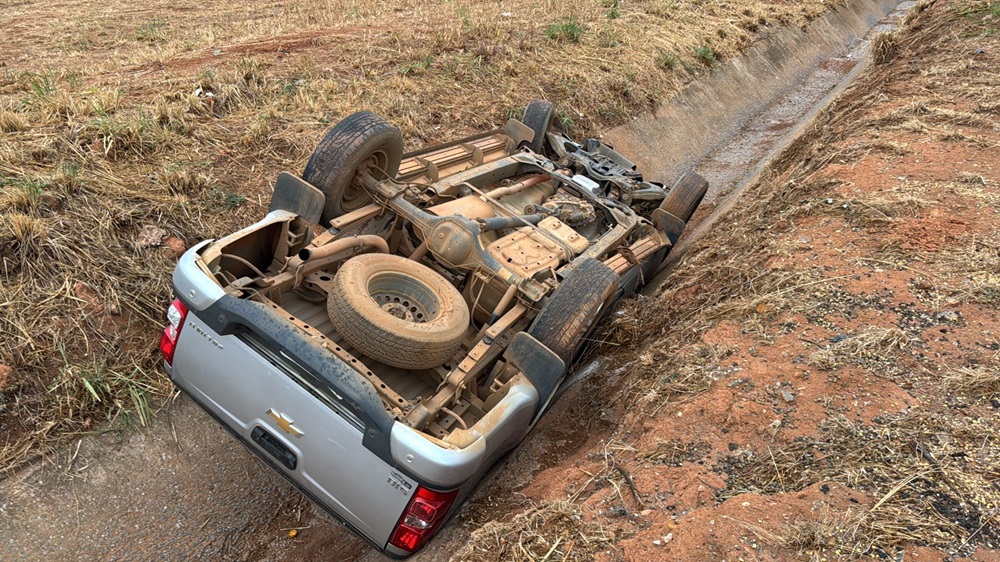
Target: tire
x=397 y=311
x=684 y=198
x=538 y=116
x=363 y=141
x=573 y=310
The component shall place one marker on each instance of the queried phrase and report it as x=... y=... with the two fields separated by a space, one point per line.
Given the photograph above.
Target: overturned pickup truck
x=384 y=360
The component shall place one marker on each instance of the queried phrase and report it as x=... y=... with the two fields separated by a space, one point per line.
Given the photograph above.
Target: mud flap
x=671 y=226
x=543 y=368
x=518 y=132
x=298 y=196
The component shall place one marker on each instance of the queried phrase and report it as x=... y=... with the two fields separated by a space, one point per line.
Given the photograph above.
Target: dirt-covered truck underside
x=434 y=262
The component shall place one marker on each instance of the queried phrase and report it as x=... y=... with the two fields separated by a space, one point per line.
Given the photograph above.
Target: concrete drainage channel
x=729 y=126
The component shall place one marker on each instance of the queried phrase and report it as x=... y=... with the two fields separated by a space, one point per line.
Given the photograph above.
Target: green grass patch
x=567 y=29
x=668 y=61
x=706 y=55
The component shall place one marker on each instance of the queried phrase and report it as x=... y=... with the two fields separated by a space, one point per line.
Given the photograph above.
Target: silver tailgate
x=240 y=385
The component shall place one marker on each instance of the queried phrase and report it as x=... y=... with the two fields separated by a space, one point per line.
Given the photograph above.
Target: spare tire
x=361 y=142
x=397 y=311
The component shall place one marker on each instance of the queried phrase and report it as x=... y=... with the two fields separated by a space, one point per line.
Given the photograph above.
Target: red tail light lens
x=176 y=314
x=422 y=518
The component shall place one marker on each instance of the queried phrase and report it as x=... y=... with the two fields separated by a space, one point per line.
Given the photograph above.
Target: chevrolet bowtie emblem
x=284 y=422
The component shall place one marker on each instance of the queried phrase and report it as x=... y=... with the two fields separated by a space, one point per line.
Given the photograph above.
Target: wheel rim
x=356 y=196
x=404 y=297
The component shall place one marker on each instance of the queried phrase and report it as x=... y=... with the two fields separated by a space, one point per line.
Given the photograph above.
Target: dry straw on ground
x=912 y=465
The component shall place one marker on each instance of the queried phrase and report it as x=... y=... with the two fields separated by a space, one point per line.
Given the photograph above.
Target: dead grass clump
x=927 y=476
x=884 y=47
x=548 y=531
x=180 y=180
x=21 y=238
x=918 y=117
x=865 y=148
x=974 y=272
x=871 y=211
x=85 y=305
x=858 y=532
x=981 y=381
x=969 y=178
x=173 y=117
x=21 y=194
x=813 y=537
x=675 y=453
x=871 y=348
x=11 y=121
x=88 y=388
x=120 y=137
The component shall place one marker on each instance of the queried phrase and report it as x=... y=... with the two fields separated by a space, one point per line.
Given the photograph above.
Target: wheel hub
x=402 y=307
x=398 y=310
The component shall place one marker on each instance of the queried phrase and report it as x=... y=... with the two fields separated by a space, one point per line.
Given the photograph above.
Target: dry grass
x=548 y=531
x=929 y=475
x=872 y=346
x=884 y=47
x=982 y=381
x=926 y=487
x=974 y=273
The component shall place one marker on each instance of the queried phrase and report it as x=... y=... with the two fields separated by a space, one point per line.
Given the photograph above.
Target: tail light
x=422 y=518
x=176 y=314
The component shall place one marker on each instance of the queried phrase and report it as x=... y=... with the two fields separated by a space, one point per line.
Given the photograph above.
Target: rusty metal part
x=442 y=161
x=357 y=215
x=572 y=210
x=503 y=304
x=524 y=201
x=636 y=253
x=483 y=292
x=455 y=240
x=563 y=233
x=608 y=241
x=314 y=258
x=420 y=252
x=451 y=241
x=376 y=243
x=514 y=188
x=526 y=252
x=499 y=223
x=463 y=376
x=469 y=206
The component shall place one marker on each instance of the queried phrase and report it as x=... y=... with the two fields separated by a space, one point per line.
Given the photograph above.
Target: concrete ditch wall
x=684 y=131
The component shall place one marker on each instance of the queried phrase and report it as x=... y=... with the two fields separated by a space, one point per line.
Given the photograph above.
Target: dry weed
x=11 y=121
x=871 y=347
x=884 y=47
x=982 y=381
x=925 y=486
x=547 y=531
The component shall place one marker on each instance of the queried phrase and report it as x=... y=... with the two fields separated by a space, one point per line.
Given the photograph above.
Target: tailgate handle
x=274 y=447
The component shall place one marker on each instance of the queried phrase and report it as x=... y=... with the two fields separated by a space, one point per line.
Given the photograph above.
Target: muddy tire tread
x=574 y=308
x=683 y=199
x=331 y=166
x=538 y=116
